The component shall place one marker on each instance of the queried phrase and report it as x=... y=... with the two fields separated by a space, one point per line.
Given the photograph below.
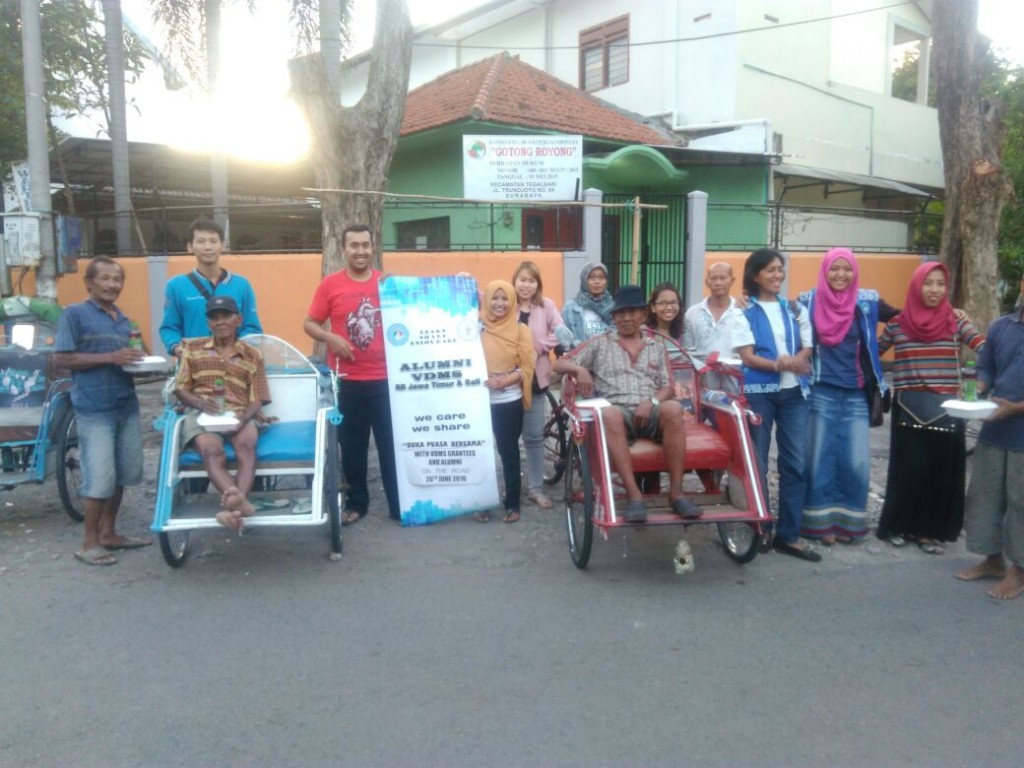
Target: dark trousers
x=365 y=406
x=507 y=423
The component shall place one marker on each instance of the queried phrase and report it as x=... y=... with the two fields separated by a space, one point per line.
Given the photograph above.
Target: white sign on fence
x=522 y=167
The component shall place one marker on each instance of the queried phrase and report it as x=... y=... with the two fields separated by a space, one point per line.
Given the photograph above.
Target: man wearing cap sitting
x=630 y=370
x=211 y=363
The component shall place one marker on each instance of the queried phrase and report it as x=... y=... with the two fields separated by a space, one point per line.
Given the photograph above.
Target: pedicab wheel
x=740 y=540
x=579 y=505
x=69 y=467
x=556 y=443
x=332 y=494
x=174 y=546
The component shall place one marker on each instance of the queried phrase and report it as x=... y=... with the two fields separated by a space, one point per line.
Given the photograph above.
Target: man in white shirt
x=707 y=326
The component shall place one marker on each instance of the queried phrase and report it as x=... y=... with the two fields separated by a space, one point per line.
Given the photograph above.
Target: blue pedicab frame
x=38 y=438
x=303 y=443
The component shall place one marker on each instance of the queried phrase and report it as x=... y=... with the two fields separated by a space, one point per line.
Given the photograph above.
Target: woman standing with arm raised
x=924 y=491
x=846 y=371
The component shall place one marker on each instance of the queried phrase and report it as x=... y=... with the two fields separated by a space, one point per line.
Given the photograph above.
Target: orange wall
x=886 y=273
x=284 y=284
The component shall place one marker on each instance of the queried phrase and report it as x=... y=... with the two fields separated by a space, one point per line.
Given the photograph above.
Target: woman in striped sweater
x=924 y=494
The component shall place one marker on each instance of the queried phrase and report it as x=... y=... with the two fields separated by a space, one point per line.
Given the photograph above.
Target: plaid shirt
x=618 y=378
x=245 y=380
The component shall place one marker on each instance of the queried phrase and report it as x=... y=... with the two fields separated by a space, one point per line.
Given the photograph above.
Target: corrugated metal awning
x=848 y=179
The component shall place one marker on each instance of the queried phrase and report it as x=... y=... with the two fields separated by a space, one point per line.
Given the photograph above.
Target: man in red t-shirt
x=350 y=300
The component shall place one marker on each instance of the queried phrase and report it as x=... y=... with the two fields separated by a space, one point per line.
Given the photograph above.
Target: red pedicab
x=718 y=446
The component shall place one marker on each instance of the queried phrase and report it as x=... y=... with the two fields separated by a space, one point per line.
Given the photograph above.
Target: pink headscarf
x=921 y=323
x=834 y=310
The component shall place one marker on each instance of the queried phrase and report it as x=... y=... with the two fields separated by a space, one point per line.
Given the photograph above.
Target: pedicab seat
x=283 y=442
x=706 y=448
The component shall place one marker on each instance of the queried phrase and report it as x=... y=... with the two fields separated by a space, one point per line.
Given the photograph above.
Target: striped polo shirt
x=245 y=380
x=933 y=365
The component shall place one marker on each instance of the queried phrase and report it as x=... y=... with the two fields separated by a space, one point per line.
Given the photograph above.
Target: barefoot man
x=995 y=500
x=238 y=368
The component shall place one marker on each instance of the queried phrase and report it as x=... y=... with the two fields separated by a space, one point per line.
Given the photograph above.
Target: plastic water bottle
x=970 y=382
x=135 y=336
x=218 y=394
x=716 y=397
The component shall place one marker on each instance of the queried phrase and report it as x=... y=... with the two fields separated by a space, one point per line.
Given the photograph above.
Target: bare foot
x=989 y=568
x=1010 y=587
x=233 y=500
x=230 y=519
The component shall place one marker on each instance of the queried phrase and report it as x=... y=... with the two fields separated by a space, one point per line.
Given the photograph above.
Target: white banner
x=440 y=409
x=522 y=167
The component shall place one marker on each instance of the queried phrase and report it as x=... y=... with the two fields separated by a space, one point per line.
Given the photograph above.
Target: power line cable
x=696 y=39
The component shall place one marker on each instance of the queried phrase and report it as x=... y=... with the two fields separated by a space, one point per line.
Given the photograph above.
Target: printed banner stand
x=440 y=409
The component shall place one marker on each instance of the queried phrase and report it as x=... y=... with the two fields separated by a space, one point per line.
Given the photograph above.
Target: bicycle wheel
x=174 y=544
x=740 y=540
x=69 y=467
x=579 y=506
x=332 y=493
x=556 y=443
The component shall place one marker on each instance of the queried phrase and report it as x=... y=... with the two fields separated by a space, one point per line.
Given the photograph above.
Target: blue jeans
x=787 y=412
x=838 y=463
x=366 y=406
x=110 y=445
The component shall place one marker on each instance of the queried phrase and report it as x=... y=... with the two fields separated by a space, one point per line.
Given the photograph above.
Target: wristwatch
x=655 y=401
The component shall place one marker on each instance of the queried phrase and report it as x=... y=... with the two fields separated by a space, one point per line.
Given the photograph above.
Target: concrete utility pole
x=38 y=152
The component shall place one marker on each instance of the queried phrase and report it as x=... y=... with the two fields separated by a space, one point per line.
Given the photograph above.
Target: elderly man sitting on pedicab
x=217 y=368
x=630 y=370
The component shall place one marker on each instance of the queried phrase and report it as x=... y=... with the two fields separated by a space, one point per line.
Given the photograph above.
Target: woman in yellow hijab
x=508 y=349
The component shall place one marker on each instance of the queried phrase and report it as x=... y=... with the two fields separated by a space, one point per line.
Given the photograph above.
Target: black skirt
x=924 y=491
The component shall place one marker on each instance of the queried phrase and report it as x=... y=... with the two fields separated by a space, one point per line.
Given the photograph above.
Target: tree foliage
x=73 y=63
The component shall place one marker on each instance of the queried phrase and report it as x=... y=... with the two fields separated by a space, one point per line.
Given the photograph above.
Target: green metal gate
x=662 y=241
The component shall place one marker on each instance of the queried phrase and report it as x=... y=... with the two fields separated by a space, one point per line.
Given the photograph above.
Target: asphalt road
x=463 y=644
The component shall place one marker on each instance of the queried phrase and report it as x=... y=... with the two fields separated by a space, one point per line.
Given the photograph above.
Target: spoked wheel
x=332 y=493
x=740 y=540
x=579 y=505
x=174 y=544
x=556 y=443
x=69 y=467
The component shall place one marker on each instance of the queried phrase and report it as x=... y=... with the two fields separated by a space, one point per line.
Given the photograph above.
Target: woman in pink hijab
x=924 y=492
x=845 y=373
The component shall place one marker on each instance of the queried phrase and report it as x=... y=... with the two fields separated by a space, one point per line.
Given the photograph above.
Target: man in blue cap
x=630 y=370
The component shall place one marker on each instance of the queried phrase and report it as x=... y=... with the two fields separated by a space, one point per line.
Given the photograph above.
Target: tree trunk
x=352 y=147
x=971 y=129
x=218 y=157
x=114 y=48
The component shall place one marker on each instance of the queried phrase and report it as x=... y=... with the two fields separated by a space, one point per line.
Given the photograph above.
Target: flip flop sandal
x=482 y=517
x=95 y=556
x=897 y=541
x=931 y=547
x=131 y=542
x=350 y=517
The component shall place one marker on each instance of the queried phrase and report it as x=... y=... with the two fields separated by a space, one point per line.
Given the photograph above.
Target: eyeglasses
x=666 y=304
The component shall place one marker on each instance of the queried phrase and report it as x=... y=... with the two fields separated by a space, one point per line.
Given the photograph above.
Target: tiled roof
x=504 y=89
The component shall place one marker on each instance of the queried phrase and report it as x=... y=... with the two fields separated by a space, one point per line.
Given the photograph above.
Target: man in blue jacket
x=185 y=296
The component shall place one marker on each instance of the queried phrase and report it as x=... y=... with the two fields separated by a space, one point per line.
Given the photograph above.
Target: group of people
x=811 y=371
